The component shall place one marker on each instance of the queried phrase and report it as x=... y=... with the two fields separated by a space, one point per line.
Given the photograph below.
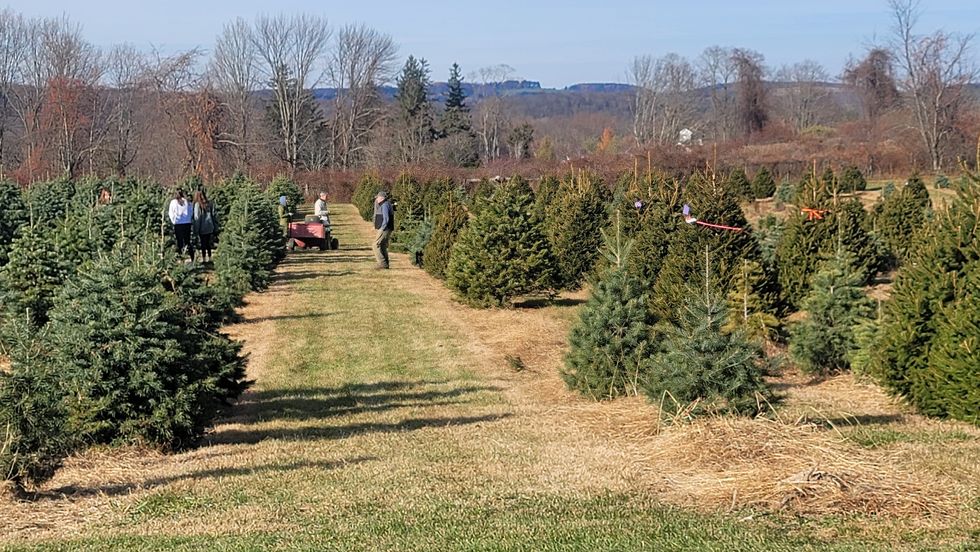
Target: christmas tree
x=739 y=184
x=852 y=180
x=445 y=232
x=283 y=186
x=367 y=189
x=704 y=369
x=763 y=185
x=573 y=223
x=610 y=344
x=12 y=217
x=824 y=341
x=503 y=252
x=34 y=273
x=33 y=418
x=543 y=197
x=750 y=304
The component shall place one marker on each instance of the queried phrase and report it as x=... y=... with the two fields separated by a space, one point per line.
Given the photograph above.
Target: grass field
x=387 y=417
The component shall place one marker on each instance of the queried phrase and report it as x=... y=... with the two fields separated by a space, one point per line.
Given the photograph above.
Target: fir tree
x=481 y=195
x=853 y=180
x=750 y=304
x=829 y=181
x=445 y=232
x=648 y=209
x=49 y=201
x=283 y=186
x=573 y=224
x=763 y=185
x=924 y=345
x=34 y=273
x=367 y=189
x=610 y=344
x=545 y=194
x=414 y=109
x=142 y=352
x=12 y=217
x=739 y=183
x=824 y=341
x=916 y=189
x=704 y=369
x=897 y=219
x=503 y=252
x=33 y=418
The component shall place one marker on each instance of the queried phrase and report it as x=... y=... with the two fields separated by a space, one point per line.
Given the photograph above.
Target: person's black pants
x=207 y=244
x=182 y=233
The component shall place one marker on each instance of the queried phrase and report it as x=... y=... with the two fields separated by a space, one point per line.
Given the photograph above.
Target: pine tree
x=503 y=252
x=763 y=185
x=12 y=217
x=704 y=369
x=824 y=341
x=573 y=224
x=33 y=418
x=740 y=185
x=445 y=232
x=456 y=115
x=414 y=109
x=610 y=344
x=141 y=350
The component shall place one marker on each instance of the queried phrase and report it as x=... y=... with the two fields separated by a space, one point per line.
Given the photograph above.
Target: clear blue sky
x=555 y=42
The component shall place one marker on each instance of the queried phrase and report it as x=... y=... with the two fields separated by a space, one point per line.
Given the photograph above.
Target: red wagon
x=311 y=233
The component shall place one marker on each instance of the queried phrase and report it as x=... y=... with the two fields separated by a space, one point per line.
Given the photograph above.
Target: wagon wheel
x=334 y=244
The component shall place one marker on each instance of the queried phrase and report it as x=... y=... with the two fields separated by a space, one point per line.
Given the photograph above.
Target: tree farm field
x=386 y=416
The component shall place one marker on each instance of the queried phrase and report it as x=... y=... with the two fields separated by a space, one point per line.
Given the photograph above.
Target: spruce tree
x=573 y=224
x=897 y=219
x=445 y=232
x=456 y=115
x=33 y=418
x=414 y=109
x=481 y=194
x=610 y=344
x=141 y=350
x=824 y=341
x=503 y=252
x=545 y=194
x=704 y=369
x=763 y=185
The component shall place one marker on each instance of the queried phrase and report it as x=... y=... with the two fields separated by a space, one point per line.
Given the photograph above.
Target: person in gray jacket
x=205 y=224
x=384 y=223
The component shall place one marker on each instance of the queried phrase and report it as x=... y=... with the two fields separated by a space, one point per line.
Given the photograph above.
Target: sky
x=556 y=43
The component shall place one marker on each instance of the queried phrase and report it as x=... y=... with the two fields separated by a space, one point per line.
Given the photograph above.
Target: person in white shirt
x=182 y=217
x=320 y=208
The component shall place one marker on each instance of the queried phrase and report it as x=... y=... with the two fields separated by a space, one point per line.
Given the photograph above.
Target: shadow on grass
x=116 y=489
x=316 y=433
x=322 y=403
x=301 y=316
x=543 y=302
x=309 y=275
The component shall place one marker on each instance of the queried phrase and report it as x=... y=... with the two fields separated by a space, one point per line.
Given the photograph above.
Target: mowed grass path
x=377 y=422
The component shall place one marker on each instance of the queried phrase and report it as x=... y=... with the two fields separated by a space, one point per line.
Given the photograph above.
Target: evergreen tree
x=739 y=183
x=915 y=188
x=32 y=276
x=141 y=350
x=49 y=201
x=503 y=252
x=750 y=304
x=703 y=368
x=830 y=182
x=456 y=115
x=33 y=418
x=897 y=219
x=684 y=262
x=252 y=244
x=824 y=341
x=545 y=194
x=925 y=342
x=763 y=185
x=610 y=344
x=852 y=180
x=363 y=198
x=445 y=232
x=481 y=195
x=284 y=186
x=414 y=109
x=573 y=224
x=12 y=217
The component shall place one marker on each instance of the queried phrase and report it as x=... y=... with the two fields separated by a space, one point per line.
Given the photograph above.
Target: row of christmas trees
x=683 y=312
x=105 y=338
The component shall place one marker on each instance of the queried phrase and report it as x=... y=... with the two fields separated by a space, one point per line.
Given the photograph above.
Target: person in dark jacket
x=205 y=224
x=384 y=223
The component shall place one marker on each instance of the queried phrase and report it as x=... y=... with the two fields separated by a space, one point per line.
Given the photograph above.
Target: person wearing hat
x=284 y=215
x=384 y=223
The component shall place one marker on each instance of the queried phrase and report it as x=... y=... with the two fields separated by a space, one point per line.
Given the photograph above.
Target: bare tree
x=127 y=77
x=490 y=108
x=937 y=69
x=873 y=81
x=293 y=51
x=663 y=104
x=362 y=59
x=806 y=89
x=235 y=74
x=13 y=48
x=718 y=74
x=750 y=90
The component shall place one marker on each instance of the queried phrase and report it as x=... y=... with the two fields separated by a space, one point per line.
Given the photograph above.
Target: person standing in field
x=384 y=223
x=284 y=215
x=182 y=217
x=205 y=224
x=320 y=208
